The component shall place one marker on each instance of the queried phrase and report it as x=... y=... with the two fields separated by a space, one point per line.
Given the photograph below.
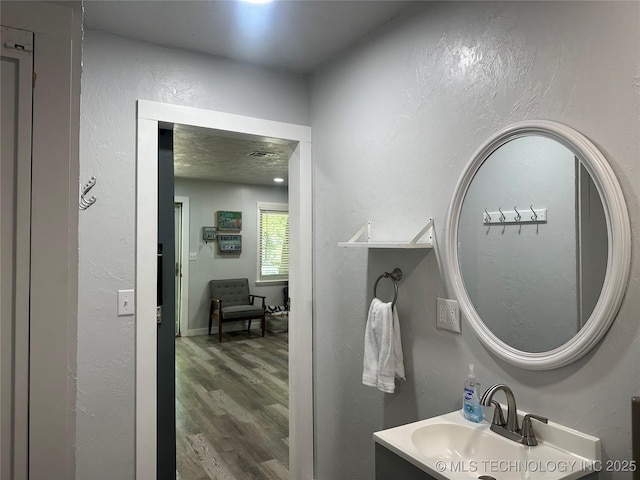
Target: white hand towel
x=383 y=360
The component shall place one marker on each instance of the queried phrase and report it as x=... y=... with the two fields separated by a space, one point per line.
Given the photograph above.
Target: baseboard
x=226 y=327
x=196 y=331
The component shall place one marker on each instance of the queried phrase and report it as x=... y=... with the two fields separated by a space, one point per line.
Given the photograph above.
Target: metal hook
x=487 y=217
x=85 y=202
x=502 y=217
x=535 y=215
x=518 y=216
x=89 y=185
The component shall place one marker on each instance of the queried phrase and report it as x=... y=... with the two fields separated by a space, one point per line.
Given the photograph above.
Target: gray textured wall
x=205 y=198
x=116 y=73
x=395 y=120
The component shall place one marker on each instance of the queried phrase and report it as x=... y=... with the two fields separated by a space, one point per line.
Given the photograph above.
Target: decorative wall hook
x=518 y=216
x=487 y=217
x=502 y=217
x=534 y=217
x=87 y=202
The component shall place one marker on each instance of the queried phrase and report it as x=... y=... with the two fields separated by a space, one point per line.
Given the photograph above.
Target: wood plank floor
x=232 y=400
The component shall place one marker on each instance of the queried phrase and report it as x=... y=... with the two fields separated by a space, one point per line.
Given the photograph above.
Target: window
x=273 y=242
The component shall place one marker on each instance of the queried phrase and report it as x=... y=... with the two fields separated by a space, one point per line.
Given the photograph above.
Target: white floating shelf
x=415 y=242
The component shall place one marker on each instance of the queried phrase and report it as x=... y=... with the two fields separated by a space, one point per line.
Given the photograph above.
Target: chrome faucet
x=510 y=428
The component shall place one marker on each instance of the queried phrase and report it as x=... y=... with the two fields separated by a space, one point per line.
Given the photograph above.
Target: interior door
x=166 y=394
x=15 y=227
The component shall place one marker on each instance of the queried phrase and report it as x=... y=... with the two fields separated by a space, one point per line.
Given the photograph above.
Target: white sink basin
x=450 y=447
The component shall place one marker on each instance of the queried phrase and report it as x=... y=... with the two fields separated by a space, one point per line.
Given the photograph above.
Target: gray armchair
x=232 y=302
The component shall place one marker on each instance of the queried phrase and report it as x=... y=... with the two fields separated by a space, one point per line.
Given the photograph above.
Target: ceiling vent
x=259 y=153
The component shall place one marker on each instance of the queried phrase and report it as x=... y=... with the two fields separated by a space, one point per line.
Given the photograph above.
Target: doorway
x=231 y=397
x=150 y=116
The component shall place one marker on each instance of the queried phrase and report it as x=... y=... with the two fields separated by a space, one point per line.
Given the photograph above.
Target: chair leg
x=263 y=322
x=210 y=316
x=219 y=329
x=249 y=327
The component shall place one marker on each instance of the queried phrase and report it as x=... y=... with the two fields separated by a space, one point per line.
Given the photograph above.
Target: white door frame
x=149 y=116
x=184 y=260
x=54 y=232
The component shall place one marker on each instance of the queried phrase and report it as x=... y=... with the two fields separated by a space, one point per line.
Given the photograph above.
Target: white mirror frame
x=618 y=256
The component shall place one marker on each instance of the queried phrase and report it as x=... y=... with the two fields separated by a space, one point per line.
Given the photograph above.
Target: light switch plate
x=126 y=302
x=193 y=256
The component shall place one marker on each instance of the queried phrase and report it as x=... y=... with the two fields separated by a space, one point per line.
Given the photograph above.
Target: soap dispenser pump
x=471 y=408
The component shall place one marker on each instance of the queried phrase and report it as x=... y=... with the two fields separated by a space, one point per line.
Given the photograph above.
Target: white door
x=15 y=207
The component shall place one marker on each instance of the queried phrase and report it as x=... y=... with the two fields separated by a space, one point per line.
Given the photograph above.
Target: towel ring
x=396 y=275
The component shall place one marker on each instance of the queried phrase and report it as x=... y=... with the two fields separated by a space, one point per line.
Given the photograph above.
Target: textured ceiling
x=207 y=155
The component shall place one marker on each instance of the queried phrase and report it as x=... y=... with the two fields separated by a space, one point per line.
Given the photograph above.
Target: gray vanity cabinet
x=390 y=466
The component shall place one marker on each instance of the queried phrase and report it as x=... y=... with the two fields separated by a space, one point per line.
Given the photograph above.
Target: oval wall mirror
x=538 y=244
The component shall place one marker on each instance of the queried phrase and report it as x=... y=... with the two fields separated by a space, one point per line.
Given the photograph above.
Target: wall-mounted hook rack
x=84 y=202
x=514 y=217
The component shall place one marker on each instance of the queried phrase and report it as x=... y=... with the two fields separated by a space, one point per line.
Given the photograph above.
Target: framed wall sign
x=229 y=221
x=229 y=244
x=209 y=234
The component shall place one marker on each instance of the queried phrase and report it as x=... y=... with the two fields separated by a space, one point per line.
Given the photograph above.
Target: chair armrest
x=219 y=306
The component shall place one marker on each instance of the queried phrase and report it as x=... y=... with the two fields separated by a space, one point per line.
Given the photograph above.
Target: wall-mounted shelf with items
x=416 y=242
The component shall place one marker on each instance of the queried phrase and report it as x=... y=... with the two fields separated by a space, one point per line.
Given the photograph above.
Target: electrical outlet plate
x=448 y=315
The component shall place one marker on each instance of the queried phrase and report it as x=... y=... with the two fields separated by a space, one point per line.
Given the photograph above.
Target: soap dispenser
x=471 y=408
